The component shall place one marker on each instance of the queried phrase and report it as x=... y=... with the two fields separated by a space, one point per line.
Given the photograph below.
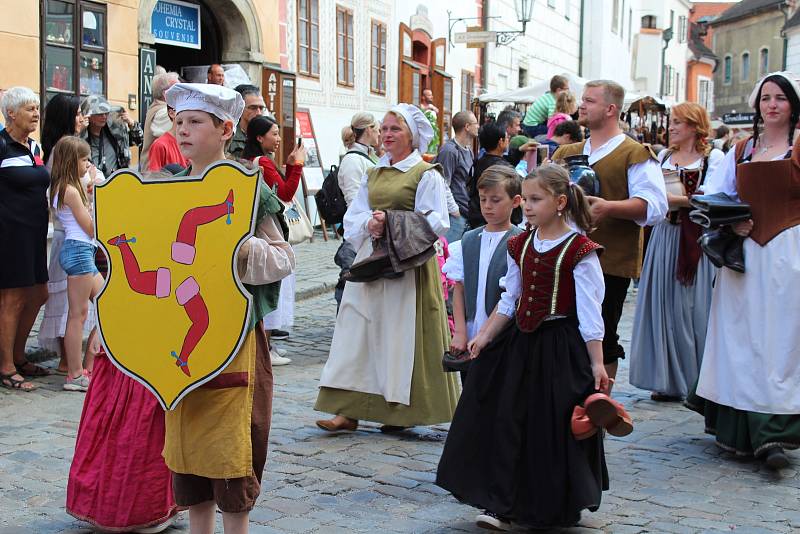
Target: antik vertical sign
x=147 y=71
x=176 y=23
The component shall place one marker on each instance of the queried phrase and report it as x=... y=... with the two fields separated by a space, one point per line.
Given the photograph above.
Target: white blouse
x=453 y=268
x=430 y=197
x=589 y=288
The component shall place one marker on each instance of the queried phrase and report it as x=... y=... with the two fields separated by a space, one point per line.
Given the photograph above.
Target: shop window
x=468 y=89
x=73 y=47
x=308 y=37
x=344 y=47
x=378 y=58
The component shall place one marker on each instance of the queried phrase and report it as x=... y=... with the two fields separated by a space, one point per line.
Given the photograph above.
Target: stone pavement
x=665 y=477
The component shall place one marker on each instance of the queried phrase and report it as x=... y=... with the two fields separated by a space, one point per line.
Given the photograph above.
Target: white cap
x=789 y=76
x=217 y=100
x=418 y=123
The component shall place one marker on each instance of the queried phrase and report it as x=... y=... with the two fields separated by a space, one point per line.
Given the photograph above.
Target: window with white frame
x=615 y=17
x=669 y=80
x=378 y=58
x=705 y=93
x=682 y=29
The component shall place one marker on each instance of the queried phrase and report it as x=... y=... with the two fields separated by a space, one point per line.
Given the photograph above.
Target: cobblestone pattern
x=665 y=477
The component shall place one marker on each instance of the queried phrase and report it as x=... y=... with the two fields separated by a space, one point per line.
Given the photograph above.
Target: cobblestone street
x=665 y=477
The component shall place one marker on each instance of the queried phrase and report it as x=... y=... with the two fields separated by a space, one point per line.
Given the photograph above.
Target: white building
x=348 y=58
x=792 y=30
x=551 y=44
x=338 y=49
x=611 y=35
x=667 y=79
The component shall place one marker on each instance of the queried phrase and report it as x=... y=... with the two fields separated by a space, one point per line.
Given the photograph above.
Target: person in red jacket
x=263 y=140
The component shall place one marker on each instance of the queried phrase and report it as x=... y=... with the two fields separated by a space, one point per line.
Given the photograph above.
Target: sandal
x=9 y=382
x=37 y=372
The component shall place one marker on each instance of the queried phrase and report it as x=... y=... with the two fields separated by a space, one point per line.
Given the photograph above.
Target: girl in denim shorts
x=68 y=198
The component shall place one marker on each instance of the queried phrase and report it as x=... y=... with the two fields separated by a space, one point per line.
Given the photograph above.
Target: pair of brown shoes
x=329 y=426
x=600 y=411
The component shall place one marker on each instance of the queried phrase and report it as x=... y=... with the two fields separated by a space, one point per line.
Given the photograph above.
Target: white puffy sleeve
x=270 y=258
x=722 y=177
x=357 y=216
x=350 y=177
x=513 y=288
x=453 y=268
x=646 y=181
x=432 y=197
x=589 y=292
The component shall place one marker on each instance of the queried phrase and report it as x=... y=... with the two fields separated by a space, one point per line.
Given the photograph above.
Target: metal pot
x=581 y=173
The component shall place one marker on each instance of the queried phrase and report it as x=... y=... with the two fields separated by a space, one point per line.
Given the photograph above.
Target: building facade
x=610 y=41
x=662 y=49
x=110 y=47
x=538 y=54
x=703 y=60
x=749 y=44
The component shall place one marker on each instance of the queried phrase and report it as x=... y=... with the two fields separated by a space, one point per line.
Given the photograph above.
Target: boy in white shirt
x=478 y=262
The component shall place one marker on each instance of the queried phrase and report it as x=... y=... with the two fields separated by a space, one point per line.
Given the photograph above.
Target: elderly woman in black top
x=23 y=235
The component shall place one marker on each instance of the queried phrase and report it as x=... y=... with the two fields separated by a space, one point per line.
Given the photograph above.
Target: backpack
x=331 y=205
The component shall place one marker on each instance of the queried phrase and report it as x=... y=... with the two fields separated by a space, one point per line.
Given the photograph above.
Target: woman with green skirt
x=749 y=385
x=385 y=357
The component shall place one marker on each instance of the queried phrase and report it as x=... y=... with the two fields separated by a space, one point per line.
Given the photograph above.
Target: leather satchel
x=719 y=209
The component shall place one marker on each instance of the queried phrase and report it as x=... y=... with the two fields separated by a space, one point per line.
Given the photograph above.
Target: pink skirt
x=118 y=480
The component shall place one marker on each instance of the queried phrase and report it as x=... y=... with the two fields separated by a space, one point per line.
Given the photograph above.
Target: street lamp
x=524 y=10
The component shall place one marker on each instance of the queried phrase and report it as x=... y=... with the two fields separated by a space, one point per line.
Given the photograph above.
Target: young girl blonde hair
x=566 y=103
x=555 y=180
x=66 y=154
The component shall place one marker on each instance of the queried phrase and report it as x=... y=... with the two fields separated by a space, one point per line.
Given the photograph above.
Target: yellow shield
x=173 y=312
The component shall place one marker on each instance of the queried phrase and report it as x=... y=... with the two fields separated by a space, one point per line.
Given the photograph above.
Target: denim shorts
x=77 y=257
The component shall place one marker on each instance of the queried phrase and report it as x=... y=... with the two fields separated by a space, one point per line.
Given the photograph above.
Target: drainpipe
x=667 y=36
x=580 y=40
x=485 y=55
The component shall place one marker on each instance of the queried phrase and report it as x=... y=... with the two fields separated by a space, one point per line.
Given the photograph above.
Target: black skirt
x=510 y=449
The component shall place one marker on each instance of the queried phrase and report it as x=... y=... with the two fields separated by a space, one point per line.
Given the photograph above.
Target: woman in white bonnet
x=385 y=359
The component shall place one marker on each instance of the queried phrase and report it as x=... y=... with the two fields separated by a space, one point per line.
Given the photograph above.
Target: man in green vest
x=632 y=195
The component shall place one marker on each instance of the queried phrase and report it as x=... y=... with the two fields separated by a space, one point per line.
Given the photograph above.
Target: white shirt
x=430 y=197
x=645 y=180
x=589 y=288
x=67 y=220
x=351 y=169
x=454 y=270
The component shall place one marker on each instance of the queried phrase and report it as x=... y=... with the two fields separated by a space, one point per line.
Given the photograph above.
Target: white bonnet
x=418 y=123
x=789 y=76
